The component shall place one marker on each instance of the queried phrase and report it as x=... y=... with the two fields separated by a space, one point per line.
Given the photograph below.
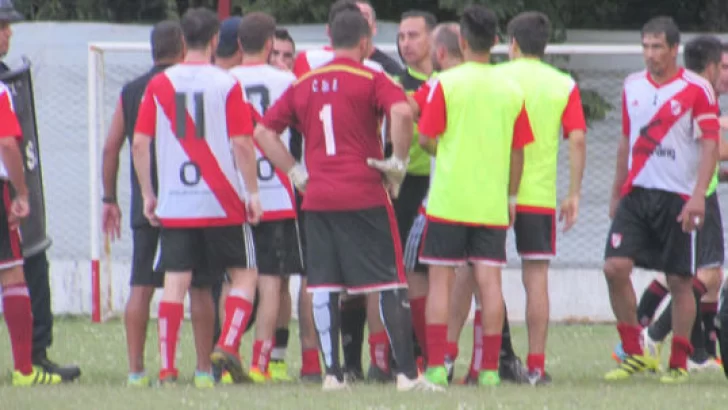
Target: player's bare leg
x=136 y=321
x=310 y=363
x=461 y=300
x=170 y=316
x=269 y=287
x=238 y=309
x=202 y=315
x=488 y=278
x=536 y=283
x=379 y=343
x=440 y=279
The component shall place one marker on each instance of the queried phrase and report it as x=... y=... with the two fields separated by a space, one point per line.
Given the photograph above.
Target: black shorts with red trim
x=206 y=251
x=535 y=230
x=453 y=244
x=357 y=251
x=414 y=244
x=277 y=247
x=11 y=252
x=645 y=229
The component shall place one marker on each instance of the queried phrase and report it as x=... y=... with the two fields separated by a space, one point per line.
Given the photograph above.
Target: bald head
x=446 y=46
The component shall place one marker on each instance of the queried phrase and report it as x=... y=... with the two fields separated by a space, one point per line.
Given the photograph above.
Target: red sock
x=19 y=319
x=477 y=357
x=491 y=351
x=310 y=363
x=261 y=354
x=169 y=323
x=451 y=351
x=379 y=350
x=419 y=324
x=436 y=344
x=536 y=363
x=630 y=336
x=681 y=350
x=237 y=314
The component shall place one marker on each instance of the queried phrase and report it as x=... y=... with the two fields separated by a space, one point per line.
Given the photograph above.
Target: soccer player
x=471 y=202
x=663 y=172
x=284 y=50
x=553 y=104
x=228 y=53
x=348 y=218
x=194 y=112
x=278 y=247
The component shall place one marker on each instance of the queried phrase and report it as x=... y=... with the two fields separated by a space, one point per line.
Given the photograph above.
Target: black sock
x=697 y=339
x=708 y=312
x=506 y=345
x=353 y=321
x=397 y=319
x=280 y=344
x=327 y=318
x=659 y=330
x=649 y=302
x=723 y=328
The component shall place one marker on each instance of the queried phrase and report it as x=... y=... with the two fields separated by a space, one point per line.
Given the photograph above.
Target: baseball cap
x=228 y=43
x=8 y=12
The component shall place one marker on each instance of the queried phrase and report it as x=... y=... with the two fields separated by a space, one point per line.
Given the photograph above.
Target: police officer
x=33 y=228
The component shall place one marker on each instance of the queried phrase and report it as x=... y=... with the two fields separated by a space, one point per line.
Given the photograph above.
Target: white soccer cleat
x=708 y=365
x=419 y=384
x=332 y=383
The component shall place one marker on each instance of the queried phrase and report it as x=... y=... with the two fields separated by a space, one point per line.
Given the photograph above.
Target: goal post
x=600 y=68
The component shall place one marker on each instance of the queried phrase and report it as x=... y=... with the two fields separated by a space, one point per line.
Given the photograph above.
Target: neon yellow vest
x=419 y=160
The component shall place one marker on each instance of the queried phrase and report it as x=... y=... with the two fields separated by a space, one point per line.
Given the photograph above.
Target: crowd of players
x=337 y=176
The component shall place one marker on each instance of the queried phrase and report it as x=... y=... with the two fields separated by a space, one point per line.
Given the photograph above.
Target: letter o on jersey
x=190 y=174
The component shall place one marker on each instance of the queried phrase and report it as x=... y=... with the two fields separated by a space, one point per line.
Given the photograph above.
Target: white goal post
x=600 y=66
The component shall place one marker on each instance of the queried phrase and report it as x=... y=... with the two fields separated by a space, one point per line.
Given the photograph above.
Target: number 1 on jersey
x=327 y=119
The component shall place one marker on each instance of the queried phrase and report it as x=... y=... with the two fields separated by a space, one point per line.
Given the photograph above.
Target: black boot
x=67 y=373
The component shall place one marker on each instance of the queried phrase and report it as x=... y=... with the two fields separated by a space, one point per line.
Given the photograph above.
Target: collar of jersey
x=416 y=74
x=677 y=75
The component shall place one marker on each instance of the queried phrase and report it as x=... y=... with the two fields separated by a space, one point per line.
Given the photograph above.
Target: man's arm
x=708 y=162
x=433 y=117
x=722 y=143
x=141 y=154
x=621 y=169
x=402 y=130
x=574 y=125
x=112 y=149
x=269 y=141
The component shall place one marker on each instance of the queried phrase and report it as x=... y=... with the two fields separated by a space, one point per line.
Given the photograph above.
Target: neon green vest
x=472 y=165
x=419 y=160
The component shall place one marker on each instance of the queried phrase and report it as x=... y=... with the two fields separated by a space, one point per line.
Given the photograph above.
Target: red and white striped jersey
x=312 y=59
x=192 y=111
x=664 y=123
x=9 y=125
x=263 y=85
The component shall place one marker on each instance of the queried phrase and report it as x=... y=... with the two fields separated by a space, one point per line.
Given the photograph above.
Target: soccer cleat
x=537 y=378
x=332 y=383
x=650 y=347
x=437 y=375
x=675 y=376
x=450 y=366
x=258 y=376
x=39 y=376
x=67 y=373
x=488 y=378
x=618 y=354
x=511 y=369
x=279 y=371
x=225 y=378
x=710 y=364
x=377 y=375
x=204 y=380
x=631 y=365
x=419 y=384
x=314 y=378
x=138 y=380
x=167 y=378
x=231 y=363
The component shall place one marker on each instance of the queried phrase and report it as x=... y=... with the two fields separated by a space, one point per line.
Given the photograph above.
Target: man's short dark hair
x=199 y=26
x=255 y=30
x=341 y=5
x=348 y=28
x=702 y=51
x=479 y=26
x=663 y=25
x=283 y=35
x=724 y=47
x=430 y=19
x=166 y=40
x=532 y=31
x=446 y=34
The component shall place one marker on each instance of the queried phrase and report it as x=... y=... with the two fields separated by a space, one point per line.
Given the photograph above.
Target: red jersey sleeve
x=147 y=116
x=9 y=125
x=254 y=113
x=433 y=120
x=420 y=96
x=237 y=113
x=705 y=113
x=625 y=115
x=522 y=132
x=387 y=92
x=573 y=117
x=282 y=114
x=300 y=65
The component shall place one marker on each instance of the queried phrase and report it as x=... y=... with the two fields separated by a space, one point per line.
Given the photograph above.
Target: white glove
x=393 y=169
x=299 y=177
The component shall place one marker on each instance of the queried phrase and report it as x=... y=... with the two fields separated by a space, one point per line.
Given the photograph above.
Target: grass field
x=577 y=357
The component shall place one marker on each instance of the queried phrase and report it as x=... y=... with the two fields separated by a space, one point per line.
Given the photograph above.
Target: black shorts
x=453 y=244
x=535 y=231
x=357 y=251
x=277 y=248
x=216 y=248
x=408 y=203
x=11 y=252
x=414 y=244
x=645 y=229
x=145 y=244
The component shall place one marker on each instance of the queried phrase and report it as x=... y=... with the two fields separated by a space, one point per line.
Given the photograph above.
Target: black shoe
x=67 y=373
x=511 y=369
x=353 y=375
x=377 y=375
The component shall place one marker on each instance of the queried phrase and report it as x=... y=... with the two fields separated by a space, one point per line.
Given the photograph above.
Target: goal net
x=600 y=71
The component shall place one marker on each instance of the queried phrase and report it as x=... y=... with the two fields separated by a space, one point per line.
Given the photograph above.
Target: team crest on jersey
x=616 y=240
x=675 y=107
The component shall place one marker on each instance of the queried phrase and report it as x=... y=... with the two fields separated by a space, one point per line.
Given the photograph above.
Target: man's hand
x=254 y=209
x=569 y=211
x=19 y=209
x=394 y=171
x=692 y=215
x=111 y=221
x=299 y=177
x=150 y=210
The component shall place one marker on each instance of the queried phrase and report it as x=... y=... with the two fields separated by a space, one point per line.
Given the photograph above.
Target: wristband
x=512 y=199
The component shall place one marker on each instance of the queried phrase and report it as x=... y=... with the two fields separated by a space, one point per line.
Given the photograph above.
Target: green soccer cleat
x=279 y=371
x=631 y=365
x=489 y=378
x=138 y=380
x=437 y=375
x=259 y=376
x=38 y=376
x=231 y=363
x=675 y=376
x=204 y=380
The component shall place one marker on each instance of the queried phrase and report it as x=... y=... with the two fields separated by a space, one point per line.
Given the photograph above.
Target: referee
x=35 y=239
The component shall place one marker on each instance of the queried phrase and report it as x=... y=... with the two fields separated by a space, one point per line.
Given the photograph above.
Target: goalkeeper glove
x=393 y=169
x=299 y=177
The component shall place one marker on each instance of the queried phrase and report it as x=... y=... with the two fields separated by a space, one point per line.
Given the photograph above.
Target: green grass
x=577 y=358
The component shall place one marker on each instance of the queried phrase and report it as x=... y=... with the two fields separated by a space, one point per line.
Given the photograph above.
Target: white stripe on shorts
x=693 y=252
x=412 y=246
x=249 y=246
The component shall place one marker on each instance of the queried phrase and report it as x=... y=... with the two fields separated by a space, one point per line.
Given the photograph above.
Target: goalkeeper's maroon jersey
x=337 y=108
